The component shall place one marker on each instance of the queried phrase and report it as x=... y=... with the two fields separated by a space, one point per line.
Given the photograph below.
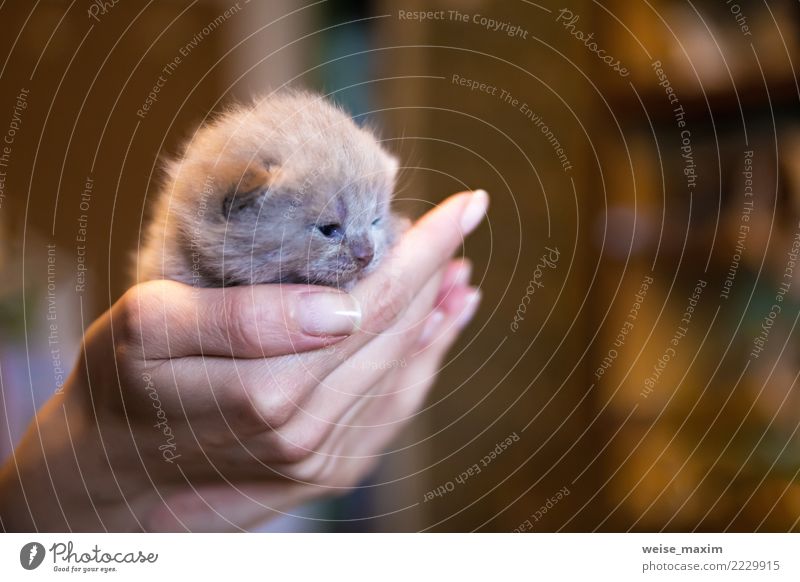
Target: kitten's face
x=296 y=192
x=326 y=224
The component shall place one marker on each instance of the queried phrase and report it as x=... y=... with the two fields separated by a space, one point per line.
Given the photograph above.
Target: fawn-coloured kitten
x=286 y=190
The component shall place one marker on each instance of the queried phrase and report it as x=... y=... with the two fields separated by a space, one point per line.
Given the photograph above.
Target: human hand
x=192 y=408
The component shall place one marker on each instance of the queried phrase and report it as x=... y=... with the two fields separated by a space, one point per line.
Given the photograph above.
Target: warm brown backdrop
x=650 y=466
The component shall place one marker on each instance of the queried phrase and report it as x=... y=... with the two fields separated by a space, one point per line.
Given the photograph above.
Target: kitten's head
x=300 y=193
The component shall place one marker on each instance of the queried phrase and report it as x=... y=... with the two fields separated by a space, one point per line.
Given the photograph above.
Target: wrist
x=61 y=477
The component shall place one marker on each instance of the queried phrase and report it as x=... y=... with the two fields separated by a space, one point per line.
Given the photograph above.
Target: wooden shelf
x=753 y=97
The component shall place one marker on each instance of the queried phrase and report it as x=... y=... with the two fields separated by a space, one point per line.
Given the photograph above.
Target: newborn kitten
x=288 y=190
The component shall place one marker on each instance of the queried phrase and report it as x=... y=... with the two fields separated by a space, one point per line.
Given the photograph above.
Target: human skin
x=217 y=409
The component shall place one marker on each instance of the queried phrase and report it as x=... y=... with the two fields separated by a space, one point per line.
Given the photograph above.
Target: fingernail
x=463 y=274
x=473 y=300
x=322 y=314
x=432 y=325
x=475 y=210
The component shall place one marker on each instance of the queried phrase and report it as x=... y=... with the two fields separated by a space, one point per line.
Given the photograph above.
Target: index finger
x=386 y=294
x=423 y=251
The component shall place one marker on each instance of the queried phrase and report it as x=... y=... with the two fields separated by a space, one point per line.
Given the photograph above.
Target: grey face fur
x=288 y=190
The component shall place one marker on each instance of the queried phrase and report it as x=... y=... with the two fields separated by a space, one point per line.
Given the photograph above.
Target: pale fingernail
x=473 y=300
x=432 y=325
x=324 y=314
x=474 y=211
x=463 y=274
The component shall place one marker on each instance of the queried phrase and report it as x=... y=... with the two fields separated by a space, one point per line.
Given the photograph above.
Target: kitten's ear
x=244 y=187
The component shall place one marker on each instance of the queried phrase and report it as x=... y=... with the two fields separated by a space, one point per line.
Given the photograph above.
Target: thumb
x=167 y=319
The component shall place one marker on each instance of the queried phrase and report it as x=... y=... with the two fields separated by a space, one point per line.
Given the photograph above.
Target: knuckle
x=308 y=435
x=272 y=409
x=298 y=445
x=292 y=451
x=135 y=314
x=140 y=315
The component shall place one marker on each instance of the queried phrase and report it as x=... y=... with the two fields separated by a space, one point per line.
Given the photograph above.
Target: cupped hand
x=211 y=409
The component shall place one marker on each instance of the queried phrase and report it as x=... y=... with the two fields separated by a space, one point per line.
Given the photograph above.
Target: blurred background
x=634 y=363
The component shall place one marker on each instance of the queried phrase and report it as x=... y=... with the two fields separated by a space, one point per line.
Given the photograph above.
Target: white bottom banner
x=401 y=557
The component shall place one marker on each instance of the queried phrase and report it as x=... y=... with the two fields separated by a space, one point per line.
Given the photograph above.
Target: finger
x=413 y=264
x=386 y=294
x=423 y=251
x=343 y=451
x=362 y=370
x=386 y=415
x=455 y=312
x=322 y=466
x=456 y=275
x=356 y=443
x=167 y=319
x=199 y=390
x=282 y=413
x=324 y=407
x=280 y=400
x=375 y=419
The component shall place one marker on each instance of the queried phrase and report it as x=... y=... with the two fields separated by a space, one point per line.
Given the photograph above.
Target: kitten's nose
x=362 y=251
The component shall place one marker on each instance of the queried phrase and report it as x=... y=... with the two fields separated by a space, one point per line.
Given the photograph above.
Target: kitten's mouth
x=333 y=281
x=339 y=279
